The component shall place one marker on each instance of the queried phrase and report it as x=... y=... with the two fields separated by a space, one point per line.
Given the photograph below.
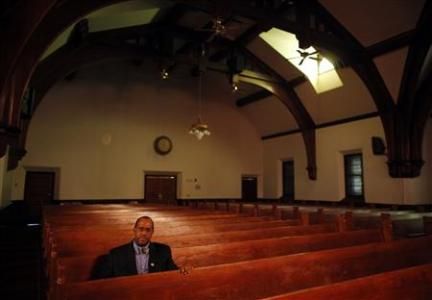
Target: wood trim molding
x=324 y=125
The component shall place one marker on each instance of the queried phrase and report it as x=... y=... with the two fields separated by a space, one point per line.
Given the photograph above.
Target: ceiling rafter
x=361 y=62
x=414 y=108
x=292 y=101
x=27 y=18
x=58 y=19
x=241 y=41
x=416 y=55
x=263 y=94
x=257 y=96
x=66 y=60
x=66 y=12
x=391 y=44
x=110 y=38
x=324 y=125
x=403 y=133
x=32 y=42
x=398 y=144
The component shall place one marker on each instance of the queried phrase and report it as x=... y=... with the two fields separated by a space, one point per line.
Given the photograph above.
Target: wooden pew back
x=409 y=283
x=74 y=269
x=262 y=277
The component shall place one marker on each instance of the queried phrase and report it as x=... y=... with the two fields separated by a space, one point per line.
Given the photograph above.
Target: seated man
x=138 y=256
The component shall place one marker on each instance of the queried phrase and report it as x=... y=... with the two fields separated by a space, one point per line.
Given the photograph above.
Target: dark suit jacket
x=121 y=261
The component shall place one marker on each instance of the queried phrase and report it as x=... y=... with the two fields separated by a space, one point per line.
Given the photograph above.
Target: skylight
x=318 y=69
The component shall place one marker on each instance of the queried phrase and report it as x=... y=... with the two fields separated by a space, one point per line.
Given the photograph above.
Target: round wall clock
x=163 y=145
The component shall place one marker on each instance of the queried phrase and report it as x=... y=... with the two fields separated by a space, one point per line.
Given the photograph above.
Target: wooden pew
x=408 y=283
x=90 y=243
x=52 y=232
x=107 y=207
x=74 y=269
x=263 y=277
x=50 y=228
x=96 y=248
x=76 y=236
x=77 y=222
x=89 y=219
x=168 y=222
x=50 y=237
x=96 y=241
x=57 y=219
x=84 y=243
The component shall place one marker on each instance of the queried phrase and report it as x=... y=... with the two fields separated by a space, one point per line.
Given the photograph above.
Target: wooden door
x=38 y=191
x=161 y=189
x=249 y=188
x=288 y=180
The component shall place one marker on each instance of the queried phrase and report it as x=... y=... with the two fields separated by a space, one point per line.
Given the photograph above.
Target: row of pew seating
x=239 y=252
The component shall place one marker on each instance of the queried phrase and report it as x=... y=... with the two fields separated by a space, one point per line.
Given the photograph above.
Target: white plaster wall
x=99 y=130
x=332 y=143
x=276 y=150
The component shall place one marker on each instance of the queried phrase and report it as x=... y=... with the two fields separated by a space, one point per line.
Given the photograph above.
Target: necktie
x=144 y=250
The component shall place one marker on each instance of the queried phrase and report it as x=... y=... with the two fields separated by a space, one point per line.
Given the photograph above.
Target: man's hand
x=185 y=270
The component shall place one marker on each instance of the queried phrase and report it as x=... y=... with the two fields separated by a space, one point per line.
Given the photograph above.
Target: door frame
x=55 y=170
x=281 y=172
x=257 y=184
x=178 y=176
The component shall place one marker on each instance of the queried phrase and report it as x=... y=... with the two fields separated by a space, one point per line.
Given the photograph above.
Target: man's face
x=143 y=232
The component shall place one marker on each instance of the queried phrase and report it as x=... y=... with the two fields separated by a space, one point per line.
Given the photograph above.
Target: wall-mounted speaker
x=378 y=146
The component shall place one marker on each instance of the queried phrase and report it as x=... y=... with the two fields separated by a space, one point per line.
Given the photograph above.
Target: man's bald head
x=143 y=230
x=143 y=218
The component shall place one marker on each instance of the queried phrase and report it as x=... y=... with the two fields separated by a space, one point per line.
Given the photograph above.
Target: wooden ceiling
x=381 y=50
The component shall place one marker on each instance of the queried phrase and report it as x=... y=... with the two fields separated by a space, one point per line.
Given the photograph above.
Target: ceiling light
x=164 y=74
x=199 y=129
x=235 y=87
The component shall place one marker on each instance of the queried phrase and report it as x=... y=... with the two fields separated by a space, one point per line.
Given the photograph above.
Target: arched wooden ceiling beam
x=94 y=47
x=25 y=19
x=18 y=24
x=421 y=114
x=62 y=15
x=65 y=61
x=40 y=23
x=415 y=101
x=264 y=93
x=68 y=11
x=357 y=56
x=391 y=44
x=68 y=60
x=416 y=56
x=402 y=129
x=290 y=99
